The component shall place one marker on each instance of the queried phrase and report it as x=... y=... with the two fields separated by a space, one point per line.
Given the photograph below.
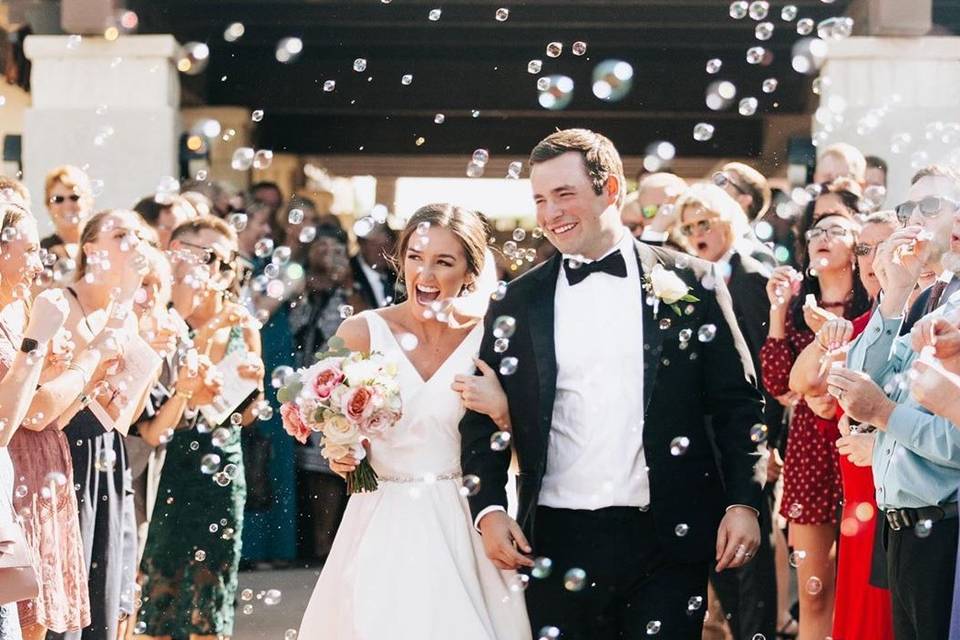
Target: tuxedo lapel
x=541 y=315
x=652 y=336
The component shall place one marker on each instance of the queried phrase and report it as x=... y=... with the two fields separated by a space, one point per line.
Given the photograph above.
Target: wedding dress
x=407 y=563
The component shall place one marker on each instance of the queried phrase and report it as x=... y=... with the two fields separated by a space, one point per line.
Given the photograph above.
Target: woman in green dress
x=190 y=563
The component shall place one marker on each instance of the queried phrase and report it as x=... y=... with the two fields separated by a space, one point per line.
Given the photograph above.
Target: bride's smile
x=435 y=266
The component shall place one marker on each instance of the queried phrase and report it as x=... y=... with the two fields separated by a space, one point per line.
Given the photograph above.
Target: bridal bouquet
x=348 y=398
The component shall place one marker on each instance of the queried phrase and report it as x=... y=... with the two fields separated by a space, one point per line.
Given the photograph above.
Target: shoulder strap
x=379 y=330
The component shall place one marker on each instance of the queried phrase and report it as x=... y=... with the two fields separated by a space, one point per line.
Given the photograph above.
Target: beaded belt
x=426 y=478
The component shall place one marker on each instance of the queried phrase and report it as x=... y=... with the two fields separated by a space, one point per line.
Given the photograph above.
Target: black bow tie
x=613 y=264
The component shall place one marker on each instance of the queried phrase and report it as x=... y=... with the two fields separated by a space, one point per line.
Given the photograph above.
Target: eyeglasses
x=722 y=179
x=929 y=207
x=832 y=232
x=702 y=226
x=210 y=256
x=863 y=249
x=652 y=210
x=73 y=197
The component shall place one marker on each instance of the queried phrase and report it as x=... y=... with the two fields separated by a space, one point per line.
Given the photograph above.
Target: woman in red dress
x=812 y=491
x=862 y=610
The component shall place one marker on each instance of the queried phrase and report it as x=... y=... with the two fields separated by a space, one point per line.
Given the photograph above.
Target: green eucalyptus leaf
x=291 y=389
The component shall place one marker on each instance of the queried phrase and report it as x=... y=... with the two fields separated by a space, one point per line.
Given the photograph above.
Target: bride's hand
x=343 y=466
x=484 y=394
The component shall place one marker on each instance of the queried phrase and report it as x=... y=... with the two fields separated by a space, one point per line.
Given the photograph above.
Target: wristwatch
x=28 y=345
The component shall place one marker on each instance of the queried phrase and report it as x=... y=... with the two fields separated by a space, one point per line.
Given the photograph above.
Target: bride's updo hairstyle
x=470 y=228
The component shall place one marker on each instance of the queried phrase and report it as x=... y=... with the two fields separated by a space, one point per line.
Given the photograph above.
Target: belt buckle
x=893 y=519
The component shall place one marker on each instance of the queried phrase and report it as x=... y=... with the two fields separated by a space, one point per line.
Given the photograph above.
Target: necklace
x=82 y=310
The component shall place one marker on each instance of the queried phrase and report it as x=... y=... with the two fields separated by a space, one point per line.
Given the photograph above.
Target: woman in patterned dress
x=812 y=491
x=190 y=563
x=19 y=372
x=41 y=452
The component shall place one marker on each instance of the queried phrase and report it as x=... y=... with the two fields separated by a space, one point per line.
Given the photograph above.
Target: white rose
x=667 y=285
x=337 y=430
x=360 y=373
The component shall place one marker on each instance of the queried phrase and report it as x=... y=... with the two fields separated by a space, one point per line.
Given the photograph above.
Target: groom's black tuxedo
x=643 y=567
x=705 y=392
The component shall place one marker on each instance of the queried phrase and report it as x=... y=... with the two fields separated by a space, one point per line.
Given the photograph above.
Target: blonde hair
x=757 y=186
x=69 y=176
x=937 y=171
x=715 y=200
x=669 y=182
x=13 y=190
x=856 y=161
x=11 y=213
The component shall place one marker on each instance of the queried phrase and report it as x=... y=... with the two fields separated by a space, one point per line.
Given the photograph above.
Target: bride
x=407 y=562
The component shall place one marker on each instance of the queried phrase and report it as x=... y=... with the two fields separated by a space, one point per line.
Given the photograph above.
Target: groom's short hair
x=600 y=157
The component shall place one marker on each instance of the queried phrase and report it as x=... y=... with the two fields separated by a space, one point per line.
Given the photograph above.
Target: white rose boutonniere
x=668 y=287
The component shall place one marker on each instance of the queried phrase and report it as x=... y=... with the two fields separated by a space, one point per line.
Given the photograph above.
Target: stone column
x=108 y=107
x=897 y=98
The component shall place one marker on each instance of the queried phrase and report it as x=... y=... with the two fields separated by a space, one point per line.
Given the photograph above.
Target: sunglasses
x=929 y=207
x=702 y=226
x=832 y=232
x=210 y=256
x=73 y=197
x=722 y=179
x=863 y=249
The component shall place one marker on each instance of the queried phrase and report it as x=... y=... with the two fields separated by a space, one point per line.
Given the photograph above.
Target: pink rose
x=293 y=423
x=326 y=381
x=358 y=404
x=378 y=423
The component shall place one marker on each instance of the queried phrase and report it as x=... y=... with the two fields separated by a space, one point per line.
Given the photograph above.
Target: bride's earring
x=467 y=289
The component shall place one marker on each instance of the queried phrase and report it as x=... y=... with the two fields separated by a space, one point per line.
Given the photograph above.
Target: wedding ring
x=741 y=550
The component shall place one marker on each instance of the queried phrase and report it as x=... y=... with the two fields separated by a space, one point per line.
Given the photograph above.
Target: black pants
x=921 y=571
x=631 y=589
x=321 y=500
x=749 y=594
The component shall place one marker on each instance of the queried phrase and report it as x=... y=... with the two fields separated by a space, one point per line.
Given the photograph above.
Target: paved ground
x=271 y=622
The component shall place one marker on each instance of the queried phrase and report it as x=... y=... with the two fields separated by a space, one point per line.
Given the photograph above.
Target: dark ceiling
x=468 y=61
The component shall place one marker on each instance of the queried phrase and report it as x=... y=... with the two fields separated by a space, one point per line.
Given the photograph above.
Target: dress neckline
x=409 y=362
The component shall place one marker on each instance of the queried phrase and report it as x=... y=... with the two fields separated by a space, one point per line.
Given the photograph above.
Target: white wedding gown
x=407 y=563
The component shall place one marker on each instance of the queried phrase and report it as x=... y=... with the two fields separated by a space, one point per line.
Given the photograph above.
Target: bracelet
x=186 y=395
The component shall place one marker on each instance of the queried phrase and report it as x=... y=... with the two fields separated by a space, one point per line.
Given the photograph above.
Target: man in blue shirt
x=916 y=459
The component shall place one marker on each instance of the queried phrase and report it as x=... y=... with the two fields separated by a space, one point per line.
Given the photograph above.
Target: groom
x=630 y=416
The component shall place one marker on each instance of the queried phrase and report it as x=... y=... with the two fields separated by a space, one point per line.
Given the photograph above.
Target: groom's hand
x=501 y=538
x=738 y=538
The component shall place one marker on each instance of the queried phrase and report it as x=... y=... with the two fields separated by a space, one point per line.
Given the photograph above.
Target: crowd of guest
x=141 y=351
x=854 y=334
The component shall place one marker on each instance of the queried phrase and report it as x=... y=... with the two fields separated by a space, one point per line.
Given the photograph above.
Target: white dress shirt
x=375 y=278
x=595 y=453
x=595 y=456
